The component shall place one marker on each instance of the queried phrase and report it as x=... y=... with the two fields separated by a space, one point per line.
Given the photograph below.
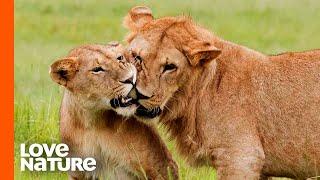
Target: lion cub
x=97 y=78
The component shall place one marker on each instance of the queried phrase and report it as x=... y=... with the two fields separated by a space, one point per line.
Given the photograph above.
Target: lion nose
x=141 y=96
x=135 y=94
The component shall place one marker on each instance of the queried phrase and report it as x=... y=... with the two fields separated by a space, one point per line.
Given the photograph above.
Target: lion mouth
x=148 y=113
x=121 y=102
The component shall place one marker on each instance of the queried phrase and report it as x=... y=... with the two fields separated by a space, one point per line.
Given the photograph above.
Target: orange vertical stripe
x=7 y=88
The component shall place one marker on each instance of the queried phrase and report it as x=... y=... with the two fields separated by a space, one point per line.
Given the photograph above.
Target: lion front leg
x=235 y=173
x=240 y=170
x=240 y=164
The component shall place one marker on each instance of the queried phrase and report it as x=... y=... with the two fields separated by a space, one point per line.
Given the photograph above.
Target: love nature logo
x=42 y=157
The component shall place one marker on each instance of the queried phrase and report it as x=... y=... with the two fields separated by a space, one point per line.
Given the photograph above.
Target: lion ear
x=138 y=17
x=63 y=70
x=199 y=52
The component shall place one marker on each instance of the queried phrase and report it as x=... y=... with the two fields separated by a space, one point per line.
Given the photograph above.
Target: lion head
x=169 y=53
x=98 y=76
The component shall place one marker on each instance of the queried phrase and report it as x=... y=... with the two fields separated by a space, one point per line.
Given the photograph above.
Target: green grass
x=46 y=30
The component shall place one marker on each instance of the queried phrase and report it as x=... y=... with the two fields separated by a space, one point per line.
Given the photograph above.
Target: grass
x=47 y=30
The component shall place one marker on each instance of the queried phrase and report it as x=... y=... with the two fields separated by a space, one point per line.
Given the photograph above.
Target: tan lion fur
x=123 y=147
x=245 y=113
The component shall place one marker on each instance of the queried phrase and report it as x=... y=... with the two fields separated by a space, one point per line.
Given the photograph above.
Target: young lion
x=95 y=78
x=247 y=114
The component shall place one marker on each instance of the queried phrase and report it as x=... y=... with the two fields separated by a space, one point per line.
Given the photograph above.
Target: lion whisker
x=165 y=106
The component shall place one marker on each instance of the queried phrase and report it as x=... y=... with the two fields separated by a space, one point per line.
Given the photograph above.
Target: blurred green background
x=47 y=30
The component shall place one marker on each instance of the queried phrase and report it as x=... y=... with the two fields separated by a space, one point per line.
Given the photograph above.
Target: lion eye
x=97 y=69
x=120 y=58
x=136 y=56
x=169 y=67
x=139 y=58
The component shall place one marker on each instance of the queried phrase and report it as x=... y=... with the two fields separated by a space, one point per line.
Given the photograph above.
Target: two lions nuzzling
x=97 y=78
